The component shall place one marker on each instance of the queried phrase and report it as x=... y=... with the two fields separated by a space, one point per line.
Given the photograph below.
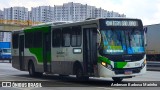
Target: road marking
x=108 y=88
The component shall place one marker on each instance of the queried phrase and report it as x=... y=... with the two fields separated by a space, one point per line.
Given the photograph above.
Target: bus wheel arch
x=78 y=71
x=31 y=70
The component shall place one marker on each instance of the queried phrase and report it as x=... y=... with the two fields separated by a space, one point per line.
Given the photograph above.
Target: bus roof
x=93 y=20
x=60 y=23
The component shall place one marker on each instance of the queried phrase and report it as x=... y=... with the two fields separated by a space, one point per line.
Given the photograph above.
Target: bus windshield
x=122 y=41
x=135 y=41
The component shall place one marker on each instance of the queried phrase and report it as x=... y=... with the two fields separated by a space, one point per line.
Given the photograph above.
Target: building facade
x=5 y=36
x=42 y=14
x=15 y=15
x=66 y=12
x=69 y=12
x=1 y=15
x=1 y=36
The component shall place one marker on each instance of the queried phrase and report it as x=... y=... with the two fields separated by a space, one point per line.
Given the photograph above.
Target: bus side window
x=15 y=40
x=37 y=39
x=28 y=40
x=76 y=36
x=66 y=36
x=56 y=38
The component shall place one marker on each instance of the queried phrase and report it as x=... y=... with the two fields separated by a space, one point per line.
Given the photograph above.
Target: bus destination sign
x=121 y=23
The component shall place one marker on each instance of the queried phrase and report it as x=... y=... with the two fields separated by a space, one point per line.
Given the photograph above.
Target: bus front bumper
x=105 y=72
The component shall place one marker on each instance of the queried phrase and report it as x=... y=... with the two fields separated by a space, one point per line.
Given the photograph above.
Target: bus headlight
x=103 y=63
x=143 y=64
x=106 y=65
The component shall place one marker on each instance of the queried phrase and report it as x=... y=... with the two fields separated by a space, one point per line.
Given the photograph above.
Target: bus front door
x=90 y=50
x=46 y=52
x=21 y=52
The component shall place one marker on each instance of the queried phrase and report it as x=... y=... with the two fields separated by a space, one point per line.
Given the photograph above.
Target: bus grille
x=122 y=71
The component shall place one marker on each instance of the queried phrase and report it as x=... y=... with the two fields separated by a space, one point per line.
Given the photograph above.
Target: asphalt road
x=54 y=82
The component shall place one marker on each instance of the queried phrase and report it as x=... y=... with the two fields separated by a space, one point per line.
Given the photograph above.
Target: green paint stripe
x=103 y=59
x=120 y=64
x=38 y=53
x=40 y=28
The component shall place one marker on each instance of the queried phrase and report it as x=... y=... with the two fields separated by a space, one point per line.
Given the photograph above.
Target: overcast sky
x=147 y=10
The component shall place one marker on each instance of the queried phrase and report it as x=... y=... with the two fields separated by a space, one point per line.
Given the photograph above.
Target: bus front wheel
x=79 y=73
x=80 y=76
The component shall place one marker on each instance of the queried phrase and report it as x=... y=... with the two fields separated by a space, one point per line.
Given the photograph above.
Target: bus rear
x=121 y=50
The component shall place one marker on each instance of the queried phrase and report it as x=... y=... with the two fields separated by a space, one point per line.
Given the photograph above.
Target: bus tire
x=31 y=69
x=80 y=76
x=79 y=73
x=117 y=79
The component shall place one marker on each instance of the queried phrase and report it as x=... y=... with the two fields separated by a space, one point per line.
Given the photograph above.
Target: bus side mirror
x=145 y=29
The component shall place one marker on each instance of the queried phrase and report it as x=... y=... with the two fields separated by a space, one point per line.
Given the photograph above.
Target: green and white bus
x=106 y=47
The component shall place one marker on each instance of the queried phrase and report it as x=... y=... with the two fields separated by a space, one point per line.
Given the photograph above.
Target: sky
x=146 y=10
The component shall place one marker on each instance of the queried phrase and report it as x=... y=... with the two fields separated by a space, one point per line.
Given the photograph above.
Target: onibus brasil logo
x=21 y=84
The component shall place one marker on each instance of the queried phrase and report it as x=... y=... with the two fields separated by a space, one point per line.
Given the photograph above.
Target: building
x=79 y=12
x=15 y=15
x=69 y=12
x=1 y=15
x=5 y=36
x=42 y=14
x=1 y=36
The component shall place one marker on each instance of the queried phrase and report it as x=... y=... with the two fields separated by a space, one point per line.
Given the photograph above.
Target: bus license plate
x=128 y=72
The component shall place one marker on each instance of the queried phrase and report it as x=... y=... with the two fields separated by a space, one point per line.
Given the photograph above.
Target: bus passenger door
x=21 y=52
x=90 y=50
x=47 y=52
